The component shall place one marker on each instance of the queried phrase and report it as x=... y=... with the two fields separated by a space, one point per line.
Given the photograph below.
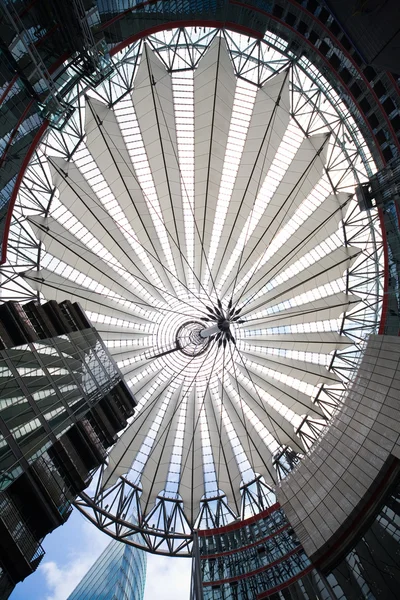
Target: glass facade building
x=336 y=541
x=46 y=386
x=262 y=558
x=62 y=402
x=118 y=574
x=242 y=559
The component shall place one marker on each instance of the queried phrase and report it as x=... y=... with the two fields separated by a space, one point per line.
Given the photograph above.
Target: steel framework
x=314 y=107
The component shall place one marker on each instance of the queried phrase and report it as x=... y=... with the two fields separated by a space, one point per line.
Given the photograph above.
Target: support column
x=196 y=586
x=205 y=333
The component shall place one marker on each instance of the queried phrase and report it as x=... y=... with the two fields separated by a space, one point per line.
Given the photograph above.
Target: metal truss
x=166 y=529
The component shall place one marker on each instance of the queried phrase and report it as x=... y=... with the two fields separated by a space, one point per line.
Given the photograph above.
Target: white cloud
x=62 y=579
x=167 y=578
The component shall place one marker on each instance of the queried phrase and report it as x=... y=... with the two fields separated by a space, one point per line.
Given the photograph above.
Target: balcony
x=20 y=552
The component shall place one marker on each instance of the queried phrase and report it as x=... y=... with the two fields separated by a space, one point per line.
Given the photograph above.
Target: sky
x=72 y=549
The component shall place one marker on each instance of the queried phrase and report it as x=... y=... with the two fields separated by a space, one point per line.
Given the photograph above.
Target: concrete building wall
x=324 y=495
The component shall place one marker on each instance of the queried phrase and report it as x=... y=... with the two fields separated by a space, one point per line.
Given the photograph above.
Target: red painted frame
x=239 y=549
x=257 y=571
x=14 y=194
x=239 y=524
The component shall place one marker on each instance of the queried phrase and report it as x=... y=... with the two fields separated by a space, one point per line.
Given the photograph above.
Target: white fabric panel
x=320 y=342
x=226 y=467
x=277 y=425
x=214 y=88
x=59 y=242
x=153 y=100
x=110 y=332
x=108 y=149
x=56 y=287
x=299 y=369
x=155 y=473
x=72 y=187
x=150 y=381
x=291 y=192
x=135 y=368
x=330 y=307
x=257 y=452
x=191 y=486
x=267 y=127
x=298 y=245
x=297 y=401
x=129 y=444
x=127 y=352
x=329 y=268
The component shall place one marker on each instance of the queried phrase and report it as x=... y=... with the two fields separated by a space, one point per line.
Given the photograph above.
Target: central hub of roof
x=220 y=321
x=189 y=339
x=223 y=324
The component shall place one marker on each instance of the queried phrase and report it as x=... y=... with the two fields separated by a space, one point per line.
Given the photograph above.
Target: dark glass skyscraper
x=118 y=574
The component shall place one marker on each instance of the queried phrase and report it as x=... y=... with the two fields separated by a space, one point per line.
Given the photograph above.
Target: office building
x=217 y=183
x=63 y=401
x=336 y=536
x=118 y=574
